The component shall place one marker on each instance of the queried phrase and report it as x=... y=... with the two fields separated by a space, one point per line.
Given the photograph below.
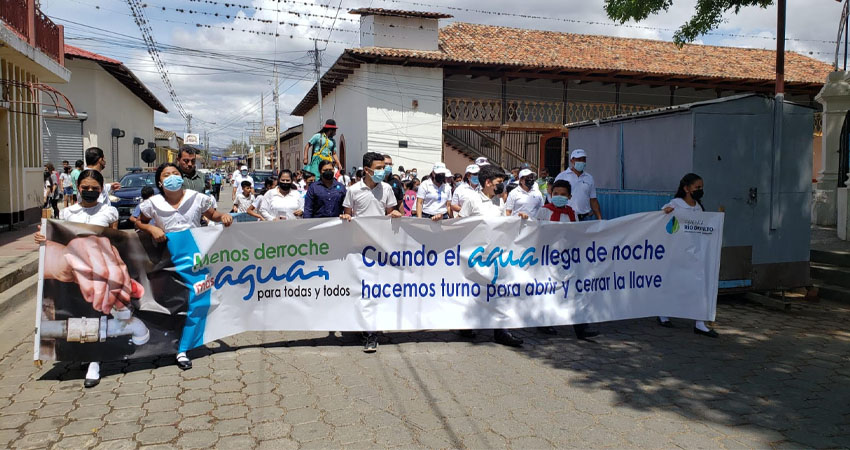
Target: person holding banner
x=176 y=209
x=370 y=197
x=467 y=187
x=282 y=203
x=433 y=200
x=688 y=198
x=324 y=198
x=96 y=267
x=584 y=200
x=481 y=204
x=525 y=198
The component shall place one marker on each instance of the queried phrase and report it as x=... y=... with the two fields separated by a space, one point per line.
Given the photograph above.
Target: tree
x=708 y=15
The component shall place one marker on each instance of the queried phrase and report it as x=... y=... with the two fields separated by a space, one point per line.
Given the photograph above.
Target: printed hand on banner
x=95 y=265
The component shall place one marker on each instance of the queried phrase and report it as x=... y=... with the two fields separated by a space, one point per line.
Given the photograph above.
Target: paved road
x=772 y=380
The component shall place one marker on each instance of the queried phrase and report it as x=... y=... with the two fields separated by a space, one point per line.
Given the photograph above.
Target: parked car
x=130 y=195
x=259 y=177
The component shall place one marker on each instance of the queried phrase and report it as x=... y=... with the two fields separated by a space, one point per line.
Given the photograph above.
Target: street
x=773 y=379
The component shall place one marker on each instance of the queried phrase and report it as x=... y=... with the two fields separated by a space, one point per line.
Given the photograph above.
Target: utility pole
x=318 y=62
x=278 y=160
x=188 y=123
x=778 y=114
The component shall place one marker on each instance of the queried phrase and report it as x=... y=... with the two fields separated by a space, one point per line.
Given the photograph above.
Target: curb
x=18 y=294
x=27 y=266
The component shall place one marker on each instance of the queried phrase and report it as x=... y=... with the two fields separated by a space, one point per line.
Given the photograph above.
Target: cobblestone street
x=772 y=380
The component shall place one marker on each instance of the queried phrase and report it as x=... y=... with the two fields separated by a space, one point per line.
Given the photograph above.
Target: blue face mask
x=378 y=176
x=473 y=180
x=559 y=201
x=579 y=165
x=173 y=183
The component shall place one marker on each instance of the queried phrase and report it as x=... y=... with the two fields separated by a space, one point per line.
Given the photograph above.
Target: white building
x=424 y=93
x=119 y=113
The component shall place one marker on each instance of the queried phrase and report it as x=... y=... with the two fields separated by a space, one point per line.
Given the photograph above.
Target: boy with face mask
x=368 y=198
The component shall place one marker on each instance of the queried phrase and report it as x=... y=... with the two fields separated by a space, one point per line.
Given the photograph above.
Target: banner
x=382 y=274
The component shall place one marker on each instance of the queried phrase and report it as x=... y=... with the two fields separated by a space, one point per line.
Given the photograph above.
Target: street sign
x=191 y=139
x=270 y=132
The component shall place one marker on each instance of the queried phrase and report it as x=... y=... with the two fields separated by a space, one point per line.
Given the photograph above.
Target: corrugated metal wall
x=62 y=139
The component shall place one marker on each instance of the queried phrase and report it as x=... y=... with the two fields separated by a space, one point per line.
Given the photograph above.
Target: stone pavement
x=774 y=379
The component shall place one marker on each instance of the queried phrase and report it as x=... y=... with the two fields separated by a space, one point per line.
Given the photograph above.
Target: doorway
x=552 y=156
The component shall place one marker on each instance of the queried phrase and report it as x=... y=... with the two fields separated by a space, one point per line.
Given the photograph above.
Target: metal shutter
x=62 y=139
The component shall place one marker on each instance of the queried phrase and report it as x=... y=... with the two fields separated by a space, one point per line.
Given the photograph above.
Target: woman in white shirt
x=176 y=209
x=282 y=203
x=434 y=197
x=688 y=197
x=96 y=288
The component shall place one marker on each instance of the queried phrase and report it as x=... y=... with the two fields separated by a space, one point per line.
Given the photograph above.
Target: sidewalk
x=826 y=239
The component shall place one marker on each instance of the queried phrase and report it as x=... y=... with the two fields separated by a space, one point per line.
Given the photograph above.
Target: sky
x=221 y=57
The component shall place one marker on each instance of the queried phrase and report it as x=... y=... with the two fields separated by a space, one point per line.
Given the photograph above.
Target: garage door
x=62 y=139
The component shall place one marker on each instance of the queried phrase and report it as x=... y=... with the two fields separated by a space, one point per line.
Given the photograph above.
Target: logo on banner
x=673 y=225
x=688 y=226
x=204 y=285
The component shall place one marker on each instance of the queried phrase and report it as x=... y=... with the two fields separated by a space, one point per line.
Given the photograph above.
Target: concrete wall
x=109 y=104
x=347 y=105
x=406 y=104
x=399 y=32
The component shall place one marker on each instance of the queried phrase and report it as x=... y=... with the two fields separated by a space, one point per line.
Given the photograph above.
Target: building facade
x=292 y=147
x=119 y=109
x=423 y=93
x=30 y=55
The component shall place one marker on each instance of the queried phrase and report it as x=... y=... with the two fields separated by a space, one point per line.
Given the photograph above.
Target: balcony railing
x=47 y=35
x=487 y=112
x=14 y=13
x=44 y=35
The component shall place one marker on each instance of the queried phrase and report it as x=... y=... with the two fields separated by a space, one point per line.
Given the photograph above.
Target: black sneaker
x=665 y=323
x=505 y=337
x=370 y=343
x=710 y=333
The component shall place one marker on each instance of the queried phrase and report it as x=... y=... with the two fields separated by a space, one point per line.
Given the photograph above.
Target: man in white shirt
x=433 y=200
x=480 y=203
x=526 y=198
x=467 y=188
x=370 y=197
x=584 y=201
x=238 y=178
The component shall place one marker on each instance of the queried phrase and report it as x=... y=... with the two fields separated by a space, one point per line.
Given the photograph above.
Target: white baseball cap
x=524 y=173
x=243 y=168
x=578 y=153
x=445 y=171
x=482 y=161
x=437 y=167
x=473 y=169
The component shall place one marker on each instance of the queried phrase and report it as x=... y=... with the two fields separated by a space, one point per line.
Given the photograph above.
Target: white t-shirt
x=100 y=214
x=187 y=215
x=65 y=179
x=681 y=205
x=243 y=203
x=583 y=189
x=258 y=200
x=275 y=204
x=462 y=192
x=521 y=201
x=478 y=204
x=366 y=202
x=433 y=198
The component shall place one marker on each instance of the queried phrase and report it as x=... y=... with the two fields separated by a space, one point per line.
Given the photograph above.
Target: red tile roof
x=570 y=55
x=77 y=52
x=399 y=13
x=118 y=70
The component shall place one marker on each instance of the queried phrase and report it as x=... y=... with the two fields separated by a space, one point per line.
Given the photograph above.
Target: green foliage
x=708 y=14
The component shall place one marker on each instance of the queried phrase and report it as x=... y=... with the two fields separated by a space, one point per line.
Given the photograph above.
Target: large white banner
x=374 y=274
